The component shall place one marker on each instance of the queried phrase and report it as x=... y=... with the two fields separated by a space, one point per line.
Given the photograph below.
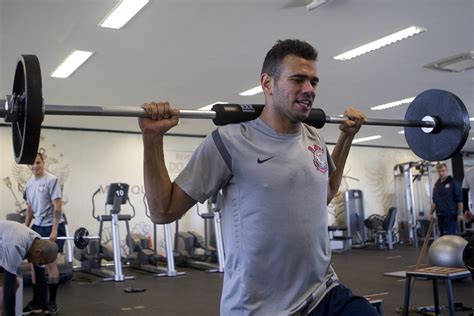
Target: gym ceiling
x=197 y=52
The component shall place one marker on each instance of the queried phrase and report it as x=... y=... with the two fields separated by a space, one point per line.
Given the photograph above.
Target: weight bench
x=435 y=274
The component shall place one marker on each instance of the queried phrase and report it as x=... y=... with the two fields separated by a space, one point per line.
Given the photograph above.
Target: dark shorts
x=45 y=231
x=340 y=301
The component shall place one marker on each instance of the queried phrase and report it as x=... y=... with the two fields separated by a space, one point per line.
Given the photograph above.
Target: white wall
x=86 y=161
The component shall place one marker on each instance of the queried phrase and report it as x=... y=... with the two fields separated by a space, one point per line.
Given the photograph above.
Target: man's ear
x=266 y=81
x=37 y=252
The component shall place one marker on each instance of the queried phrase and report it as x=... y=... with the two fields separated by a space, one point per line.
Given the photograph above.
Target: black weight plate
x=80 y=238
x=454 y=125
x=26 y=129
x=468 y=256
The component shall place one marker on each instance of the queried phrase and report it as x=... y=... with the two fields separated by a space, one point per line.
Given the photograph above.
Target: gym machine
x=413 y=190
x=187 y=243
x=145 y=257
x=355 y=214
x=92 y=256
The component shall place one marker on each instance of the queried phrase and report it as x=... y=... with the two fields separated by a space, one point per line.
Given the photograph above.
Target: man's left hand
x=355 y=119
x=54 y=235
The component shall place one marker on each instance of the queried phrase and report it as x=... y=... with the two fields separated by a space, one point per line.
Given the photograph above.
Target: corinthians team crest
x=319 y=158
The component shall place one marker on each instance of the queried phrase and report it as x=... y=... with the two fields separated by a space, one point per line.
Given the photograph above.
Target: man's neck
x=40 y=175
x=279 y=124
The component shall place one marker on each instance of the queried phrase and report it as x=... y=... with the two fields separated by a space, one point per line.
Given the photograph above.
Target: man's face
x=294 y=91
x=442 y=172
x=38 y=166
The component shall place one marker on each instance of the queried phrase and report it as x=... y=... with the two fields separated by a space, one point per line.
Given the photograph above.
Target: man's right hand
x=163 y=118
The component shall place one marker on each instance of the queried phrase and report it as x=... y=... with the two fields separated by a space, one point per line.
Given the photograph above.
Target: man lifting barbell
x=17 y=243
x=277 y=178
x=436 y=127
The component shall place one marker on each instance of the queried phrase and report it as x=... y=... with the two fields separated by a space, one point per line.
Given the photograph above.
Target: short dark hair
x=41 y=155
x=440 y=165
x=282 y=48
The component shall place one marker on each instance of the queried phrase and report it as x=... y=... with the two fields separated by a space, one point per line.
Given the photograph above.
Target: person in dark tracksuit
x=447 y=202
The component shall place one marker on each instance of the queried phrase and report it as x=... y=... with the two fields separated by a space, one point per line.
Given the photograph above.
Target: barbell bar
x=81 y=238
x=255 y=109
x=436 y=122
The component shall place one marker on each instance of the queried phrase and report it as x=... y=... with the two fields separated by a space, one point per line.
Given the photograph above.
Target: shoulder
x=312 y=133
x=233 y=131
x=50 y=175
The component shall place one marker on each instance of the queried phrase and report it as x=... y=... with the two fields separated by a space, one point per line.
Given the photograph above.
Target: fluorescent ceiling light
x=456 y=63
x=471 y=119
x=314 y=4
x=252 y=91
x=384 y=41
x=209 y=107
x=122 y=13
x=401 y=132
x=366 y=139
x=392 y=104
x=71 y=63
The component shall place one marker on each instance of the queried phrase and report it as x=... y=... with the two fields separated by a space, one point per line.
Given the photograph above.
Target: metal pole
x=121 y=111
x=171 y=269
x=384 y=122
x=219 y=241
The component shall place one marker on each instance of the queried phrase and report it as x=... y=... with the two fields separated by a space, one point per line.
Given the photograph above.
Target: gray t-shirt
x=468 y=183
x=39 y=193
x=15 y=241
x=274 y=214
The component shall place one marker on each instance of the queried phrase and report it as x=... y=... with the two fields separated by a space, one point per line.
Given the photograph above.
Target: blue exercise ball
x=447 y=251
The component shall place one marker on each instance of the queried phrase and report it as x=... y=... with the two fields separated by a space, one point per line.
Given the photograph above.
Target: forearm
x=57 y=213
x=28 y=216
x=460 y=208
x=158 y=186
x=339 y=157
x=432 y=208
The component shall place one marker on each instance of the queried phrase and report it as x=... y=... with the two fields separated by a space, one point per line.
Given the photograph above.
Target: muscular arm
x=349 y=129
x=167 y=201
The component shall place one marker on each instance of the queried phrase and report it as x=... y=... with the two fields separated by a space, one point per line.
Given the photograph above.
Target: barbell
x=81 y=238
x=436 y=123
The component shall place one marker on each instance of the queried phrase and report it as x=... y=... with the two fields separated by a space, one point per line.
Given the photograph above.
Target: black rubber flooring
x=198 y=293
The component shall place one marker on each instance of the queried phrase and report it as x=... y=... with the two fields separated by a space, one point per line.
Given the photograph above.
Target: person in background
x=43 y=198
x=18 y=243
x=468 y=194
x=447 y=202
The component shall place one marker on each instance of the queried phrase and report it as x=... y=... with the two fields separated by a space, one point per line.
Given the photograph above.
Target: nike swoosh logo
x=263 y=160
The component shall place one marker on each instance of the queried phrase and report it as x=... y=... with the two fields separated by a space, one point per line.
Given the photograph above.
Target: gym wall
x=86 y=161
